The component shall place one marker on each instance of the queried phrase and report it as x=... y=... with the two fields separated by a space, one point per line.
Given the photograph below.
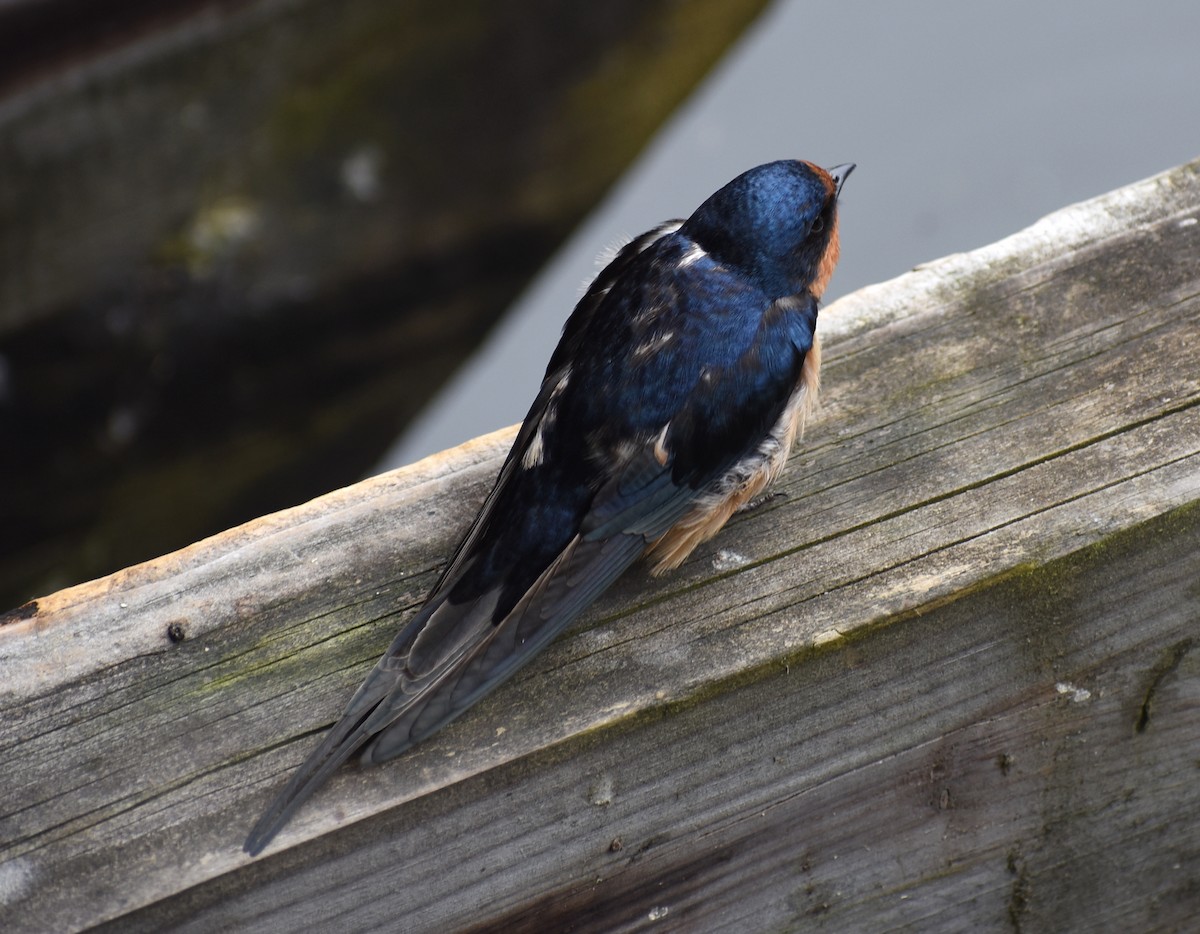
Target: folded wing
x=599 y=471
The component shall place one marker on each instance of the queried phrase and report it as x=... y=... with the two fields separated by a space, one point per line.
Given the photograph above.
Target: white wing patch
x=653 y=345
x=657 y=233
x=536 y=452
x=661 y=454
x=695 y=254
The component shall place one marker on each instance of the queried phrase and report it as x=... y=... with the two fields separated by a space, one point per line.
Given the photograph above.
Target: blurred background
x=253 y=250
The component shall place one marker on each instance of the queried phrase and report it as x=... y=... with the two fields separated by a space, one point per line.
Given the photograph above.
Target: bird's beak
x=839 y=174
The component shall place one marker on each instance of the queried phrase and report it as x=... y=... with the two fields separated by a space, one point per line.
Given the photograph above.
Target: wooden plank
x=950 y=677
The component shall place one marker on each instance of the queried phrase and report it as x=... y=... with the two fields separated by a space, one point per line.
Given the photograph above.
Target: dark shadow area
x=242 y=243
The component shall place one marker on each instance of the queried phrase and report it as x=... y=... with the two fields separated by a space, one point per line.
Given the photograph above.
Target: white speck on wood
x=1078 y=694
x=726 y=559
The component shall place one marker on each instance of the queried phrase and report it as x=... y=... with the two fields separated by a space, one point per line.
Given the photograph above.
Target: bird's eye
x=817 y=226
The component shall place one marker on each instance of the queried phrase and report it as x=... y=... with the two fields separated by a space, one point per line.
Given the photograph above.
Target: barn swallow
x=672 y=400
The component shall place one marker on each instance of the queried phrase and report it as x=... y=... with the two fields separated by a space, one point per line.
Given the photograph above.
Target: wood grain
x=949 y=678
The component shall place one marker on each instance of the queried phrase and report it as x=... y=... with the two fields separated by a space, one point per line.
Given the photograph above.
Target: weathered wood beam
x=949 y=679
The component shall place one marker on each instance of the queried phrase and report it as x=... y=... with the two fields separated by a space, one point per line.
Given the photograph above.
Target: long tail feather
x=347 y=735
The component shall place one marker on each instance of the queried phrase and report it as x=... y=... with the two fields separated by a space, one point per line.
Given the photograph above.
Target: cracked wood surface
x=949 y=678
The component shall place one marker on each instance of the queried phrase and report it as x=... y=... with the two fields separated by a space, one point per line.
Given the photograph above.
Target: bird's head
x=777 y=223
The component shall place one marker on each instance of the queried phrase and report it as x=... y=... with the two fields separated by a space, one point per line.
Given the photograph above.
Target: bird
x=672 y=400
